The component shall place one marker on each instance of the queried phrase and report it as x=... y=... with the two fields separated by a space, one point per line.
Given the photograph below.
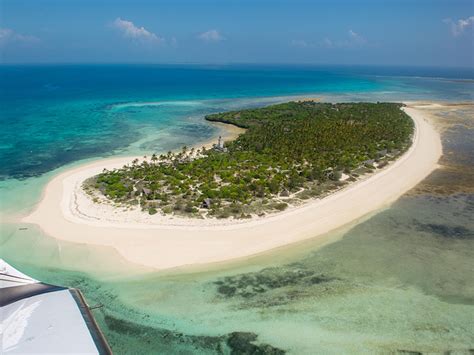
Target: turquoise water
x=55 y=115
x=399 y=281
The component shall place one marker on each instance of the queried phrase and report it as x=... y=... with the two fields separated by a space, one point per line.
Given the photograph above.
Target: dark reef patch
x=455 y=174
x=242 y=343
x=447 y=180
x=445 y=231
x=169 y=342
x=252 y=284
x=136 y=335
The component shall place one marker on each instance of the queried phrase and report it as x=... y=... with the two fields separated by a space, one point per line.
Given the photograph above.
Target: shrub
x=223 y=214
x=335 y=176
x=167 y=209
x=235 y=208
x=280 y=206
x=190 y=208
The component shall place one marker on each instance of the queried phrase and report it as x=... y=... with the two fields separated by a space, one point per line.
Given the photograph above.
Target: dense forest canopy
x=288 y=151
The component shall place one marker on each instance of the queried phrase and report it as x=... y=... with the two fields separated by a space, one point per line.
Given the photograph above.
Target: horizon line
x=240 y=63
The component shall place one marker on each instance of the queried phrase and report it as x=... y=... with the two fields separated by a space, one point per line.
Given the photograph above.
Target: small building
x=206 y=203
x=220 y=145
x=146 y=191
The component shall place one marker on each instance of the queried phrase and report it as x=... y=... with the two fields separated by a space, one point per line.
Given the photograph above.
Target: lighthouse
x=220 y=145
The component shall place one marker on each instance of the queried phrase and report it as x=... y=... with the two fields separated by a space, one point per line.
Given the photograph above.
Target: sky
x=348 y=32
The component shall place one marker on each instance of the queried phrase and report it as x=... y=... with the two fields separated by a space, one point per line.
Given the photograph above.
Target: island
x=183 y=239
x=289 y=153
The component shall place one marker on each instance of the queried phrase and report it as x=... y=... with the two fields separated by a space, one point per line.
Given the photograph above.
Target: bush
x=235 y=208
x=152 y=210
x=244 y=216
x=335 y=176
x=281 y=206
x=223 y=214
x=190 y=208
x=167 y=209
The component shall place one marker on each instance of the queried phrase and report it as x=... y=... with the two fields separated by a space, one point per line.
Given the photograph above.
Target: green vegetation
x=290 y=152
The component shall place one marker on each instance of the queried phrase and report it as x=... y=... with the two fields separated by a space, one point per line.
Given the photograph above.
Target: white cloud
x=211 y=36
x=327 y=43
x=7 y=35
x=356 y=38
x=300 y=43
x=458 y=27
x=353 y=40
x=129 y=30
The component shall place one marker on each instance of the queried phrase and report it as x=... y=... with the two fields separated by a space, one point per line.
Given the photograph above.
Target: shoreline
x=168 y=246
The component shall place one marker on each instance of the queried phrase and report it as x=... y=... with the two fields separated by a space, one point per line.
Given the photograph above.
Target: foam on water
x=164 y=103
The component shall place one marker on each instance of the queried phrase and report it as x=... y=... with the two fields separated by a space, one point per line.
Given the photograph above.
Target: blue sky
x=383 y=32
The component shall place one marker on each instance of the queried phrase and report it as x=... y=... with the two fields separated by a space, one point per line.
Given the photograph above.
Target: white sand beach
x=66 y=212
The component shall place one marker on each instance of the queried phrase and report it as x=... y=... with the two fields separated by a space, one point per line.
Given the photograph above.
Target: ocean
x=400 y=280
